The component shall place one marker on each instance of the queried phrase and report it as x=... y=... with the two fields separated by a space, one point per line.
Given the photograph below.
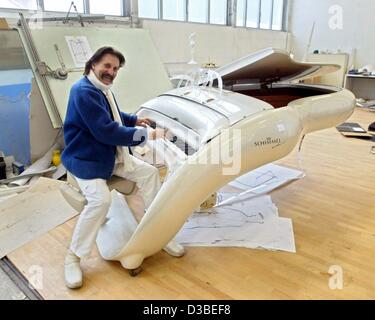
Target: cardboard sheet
x=32 y=214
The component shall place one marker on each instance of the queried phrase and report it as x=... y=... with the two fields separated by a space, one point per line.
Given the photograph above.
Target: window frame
x=207 y=13
x=231 y=14
x=23 y=9
x=270 y=27
x=158 y=12
x=41 y=4
x=270 y=24
x=160 y=7
x=86 y=6
x=226 y=15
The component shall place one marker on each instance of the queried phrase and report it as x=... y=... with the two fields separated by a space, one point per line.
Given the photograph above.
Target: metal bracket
x=42 y=68
x=78 y=14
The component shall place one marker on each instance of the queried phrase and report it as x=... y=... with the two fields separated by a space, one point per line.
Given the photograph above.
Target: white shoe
x=73 y=272
x=174 y=249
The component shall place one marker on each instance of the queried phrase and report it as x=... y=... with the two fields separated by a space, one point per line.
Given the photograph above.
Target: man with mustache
x=97 y=138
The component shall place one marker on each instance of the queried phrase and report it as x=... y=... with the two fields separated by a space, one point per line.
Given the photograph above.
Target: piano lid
x=271 y=65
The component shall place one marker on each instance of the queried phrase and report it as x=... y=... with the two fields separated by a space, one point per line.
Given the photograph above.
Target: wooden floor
x=333 y=213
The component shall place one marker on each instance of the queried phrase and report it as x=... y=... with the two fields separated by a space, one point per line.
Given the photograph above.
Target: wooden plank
x=333 y=215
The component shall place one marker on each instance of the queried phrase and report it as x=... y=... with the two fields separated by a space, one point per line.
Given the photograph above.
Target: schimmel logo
x=268 y=141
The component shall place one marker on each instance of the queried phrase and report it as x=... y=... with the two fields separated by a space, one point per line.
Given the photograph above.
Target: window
x=62 y=5
x=110 y=7
x=148 y=9
x=198 y=11
x=218 y=11
x=174 y=10
x=241 y=16
x=278 y=14
x=19 y=4
x=265 y=14
x=252 y=13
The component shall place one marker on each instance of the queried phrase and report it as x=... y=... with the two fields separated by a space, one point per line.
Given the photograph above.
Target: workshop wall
x=357 y=24
x=217 y=44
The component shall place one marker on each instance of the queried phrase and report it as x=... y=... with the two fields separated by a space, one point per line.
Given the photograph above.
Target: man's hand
x=157 y=134
x=144 y=122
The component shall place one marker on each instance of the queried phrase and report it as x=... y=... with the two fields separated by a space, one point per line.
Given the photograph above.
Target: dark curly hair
x=99 y=54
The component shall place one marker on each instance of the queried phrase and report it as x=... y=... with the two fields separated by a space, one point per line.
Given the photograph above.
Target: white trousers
x=98 y=199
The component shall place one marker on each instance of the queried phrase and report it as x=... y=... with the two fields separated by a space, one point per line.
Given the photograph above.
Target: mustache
x=106 y=75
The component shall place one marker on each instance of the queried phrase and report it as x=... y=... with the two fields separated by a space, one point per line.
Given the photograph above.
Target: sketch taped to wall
x=80 y=50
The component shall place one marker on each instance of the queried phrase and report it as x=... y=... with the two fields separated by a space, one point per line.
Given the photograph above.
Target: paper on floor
x=253 y=223
x=266 y=178
x=245 y=218
x=259 y=182
x=31 y=214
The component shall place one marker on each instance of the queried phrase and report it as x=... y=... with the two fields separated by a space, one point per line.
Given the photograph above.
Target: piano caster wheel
x=135 y=272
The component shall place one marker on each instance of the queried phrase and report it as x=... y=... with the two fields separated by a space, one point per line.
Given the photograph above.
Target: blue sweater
x=91 y=135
